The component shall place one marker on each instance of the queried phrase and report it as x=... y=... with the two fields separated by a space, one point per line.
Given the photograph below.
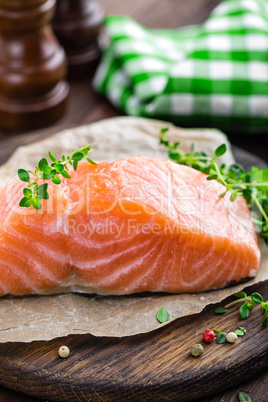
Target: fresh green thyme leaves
x=256 y=298
x=162 y=315
x=248 y=303
x=253 y=185
x=221 y=338
x=241 y=331
x=34 y=193
x=243 y=311
x=220 y=310
x=217 y=331
x=265 y=307
x=24 y=175
x=52 y=157
x=91 y=161
x=265 y=321
x=243 y=397
x=240 y=294
x=221 y=150
x=238 y=332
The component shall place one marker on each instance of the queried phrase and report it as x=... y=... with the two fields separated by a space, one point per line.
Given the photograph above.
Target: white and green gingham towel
x=214 y=74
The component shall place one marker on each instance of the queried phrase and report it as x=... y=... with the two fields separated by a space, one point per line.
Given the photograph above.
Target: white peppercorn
x=64 y=351
x=231 y=337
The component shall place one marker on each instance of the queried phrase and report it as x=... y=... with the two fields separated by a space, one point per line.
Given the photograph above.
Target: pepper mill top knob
x=25 y=15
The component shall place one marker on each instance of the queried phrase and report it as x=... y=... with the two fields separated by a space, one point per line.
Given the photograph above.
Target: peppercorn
x=209 y=335
x=64 y=351
x=231 y=337
x=196 y=350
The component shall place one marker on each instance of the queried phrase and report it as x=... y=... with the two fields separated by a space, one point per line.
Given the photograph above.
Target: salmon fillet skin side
x=133 y=225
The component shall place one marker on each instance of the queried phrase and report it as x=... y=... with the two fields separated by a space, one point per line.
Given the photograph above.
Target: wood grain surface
x=86 y=107
x=149 y=367
x=18 y=366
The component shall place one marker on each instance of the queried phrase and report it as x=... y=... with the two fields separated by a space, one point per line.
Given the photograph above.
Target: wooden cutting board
x=150 y=367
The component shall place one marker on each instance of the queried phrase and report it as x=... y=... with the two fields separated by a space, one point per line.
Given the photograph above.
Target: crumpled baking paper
x=29 y=318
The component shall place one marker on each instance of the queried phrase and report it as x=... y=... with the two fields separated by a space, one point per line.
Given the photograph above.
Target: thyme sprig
x=248 y=303
x=34 y=193
x=253 y=185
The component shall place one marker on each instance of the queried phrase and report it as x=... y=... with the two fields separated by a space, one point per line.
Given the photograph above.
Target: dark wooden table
x=86 y=107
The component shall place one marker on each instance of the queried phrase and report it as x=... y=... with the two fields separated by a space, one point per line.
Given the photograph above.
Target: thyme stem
x=238 y=301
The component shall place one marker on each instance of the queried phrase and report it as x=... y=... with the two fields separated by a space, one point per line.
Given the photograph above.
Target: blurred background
x=33 y=68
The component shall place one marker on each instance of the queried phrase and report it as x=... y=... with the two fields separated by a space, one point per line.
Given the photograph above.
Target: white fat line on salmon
x=113 y=257
x=35 y=247
x=37 y=267
x=170 y=200
x=19 y=275
x=206 y=262
x=4 y=288
x=135 y=266
x=149 y=271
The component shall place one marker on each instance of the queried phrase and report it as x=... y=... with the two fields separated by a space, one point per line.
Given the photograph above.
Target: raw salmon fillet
x=133 y=225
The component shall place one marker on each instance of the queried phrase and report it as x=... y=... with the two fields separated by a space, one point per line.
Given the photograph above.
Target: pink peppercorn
x=209 y=335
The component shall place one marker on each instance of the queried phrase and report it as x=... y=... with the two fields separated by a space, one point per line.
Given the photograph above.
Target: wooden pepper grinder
x=77 y=25
x=32 y=65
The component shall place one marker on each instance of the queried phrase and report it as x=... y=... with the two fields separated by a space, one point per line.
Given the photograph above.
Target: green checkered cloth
x=211 y=75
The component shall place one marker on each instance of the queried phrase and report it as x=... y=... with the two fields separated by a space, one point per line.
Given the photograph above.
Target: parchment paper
x=25 y=319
